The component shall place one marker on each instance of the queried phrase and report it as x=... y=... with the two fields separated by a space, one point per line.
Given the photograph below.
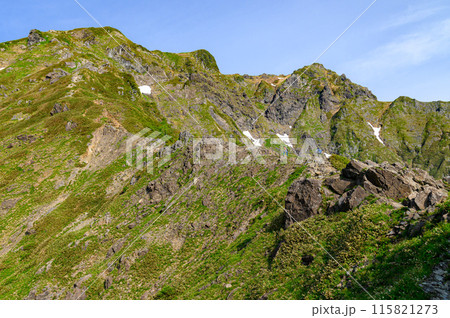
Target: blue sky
x=399 y=47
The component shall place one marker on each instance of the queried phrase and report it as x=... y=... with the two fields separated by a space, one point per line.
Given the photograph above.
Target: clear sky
x=398 y=47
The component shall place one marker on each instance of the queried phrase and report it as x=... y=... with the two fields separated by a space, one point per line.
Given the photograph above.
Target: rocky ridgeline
x=362 y=182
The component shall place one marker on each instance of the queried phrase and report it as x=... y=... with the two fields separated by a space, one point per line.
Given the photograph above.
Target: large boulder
x=303 y=200
x=393 y=186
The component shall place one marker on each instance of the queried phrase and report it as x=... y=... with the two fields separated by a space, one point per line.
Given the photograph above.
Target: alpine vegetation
x=135 y=174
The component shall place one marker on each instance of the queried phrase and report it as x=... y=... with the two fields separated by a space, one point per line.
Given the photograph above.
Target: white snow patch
x=285 y=138
x=145 y=89
x=2 y=68
x=327 y=155
x=376 y=132
x=272 y=84
x=256 y=142
x=290 y=127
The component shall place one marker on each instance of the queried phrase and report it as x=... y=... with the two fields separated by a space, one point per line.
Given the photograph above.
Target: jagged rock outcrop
x=328 y=102
x=287 y=104
x=55 y=75
x=123 y=55
x=415 y=188
x=34 y=37
x=158 y=190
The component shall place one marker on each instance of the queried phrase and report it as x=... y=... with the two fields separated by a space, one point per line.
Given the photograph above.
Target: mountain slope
x=71 y=205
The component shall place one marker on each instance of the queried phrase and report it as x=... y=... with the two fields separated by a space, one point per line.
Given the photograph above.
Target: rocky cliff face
x=72 y=206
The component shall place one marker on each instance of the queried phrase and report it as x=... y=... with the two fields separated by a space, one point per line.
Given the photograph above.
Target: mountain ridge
x=78 y=221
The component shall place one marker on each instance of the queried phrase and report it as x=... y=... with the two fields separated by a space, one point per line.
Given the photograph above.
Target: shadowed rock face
x=350 y=199
x=354 y=169
x=288 y=103
x=394 y=186
x=328 y=102
x=303 y=200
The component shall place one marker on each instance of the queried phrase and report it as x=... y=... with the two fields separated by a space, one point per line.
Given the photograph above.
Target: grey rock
x=177 y=145
x=370 y=188
x=83 y=279
x=71 y=126
x=55 y=75
x=58 y=108
x=59 y=184
x=27 y=138
x=427 y=197
x=71 y=64
x=370 y=163
x=34 y=37
x=289 y=104
x=124 y=263
x=123 y=55
x=436 y=196
x=328 y=102
x=219 y=120
x=419 y=201
x=158 y=190
x=437 y=284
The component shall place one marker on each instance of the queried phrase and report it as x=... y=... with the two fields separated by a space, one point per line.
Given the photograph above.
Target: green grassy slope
x=72 y=208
